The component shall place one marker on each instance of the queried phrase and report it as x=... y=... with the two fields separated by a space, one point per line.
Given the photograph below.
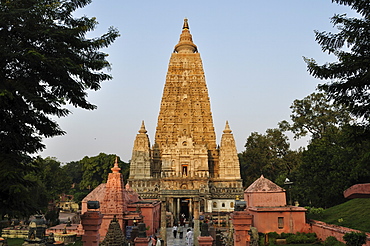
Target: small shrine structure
x=121 y=203
x=266 y=202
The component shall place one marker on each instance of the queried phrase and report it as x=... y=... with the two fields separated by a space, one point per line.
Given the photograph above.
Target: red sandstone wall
x=265 y=199
x=324 y=230
x=151 y=214
x=151 y=218
x=268 y=222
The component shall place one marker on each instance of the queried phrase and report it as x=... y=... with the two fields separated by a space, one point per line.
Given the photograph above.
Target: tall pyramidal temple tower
x=185 y=168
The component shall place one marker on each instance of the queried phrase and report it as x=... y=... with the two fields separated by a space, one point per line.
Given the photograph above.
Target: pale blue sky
x=252 y=56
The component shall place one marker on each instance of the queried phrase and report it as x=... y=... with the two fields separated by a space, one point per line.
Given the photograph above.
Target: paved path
x=171 y=241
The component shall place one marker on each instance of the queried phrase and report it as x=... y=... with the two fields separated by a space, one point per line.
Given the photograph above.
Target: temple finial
x=185 y=44
x=227 y=128
x=142 y=128
x=116 y=168
x=186 y=24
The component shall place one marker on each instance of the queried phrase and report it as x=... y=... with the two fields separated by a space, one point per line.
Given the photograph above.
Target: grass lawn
x=353 y=214
x=15 y=241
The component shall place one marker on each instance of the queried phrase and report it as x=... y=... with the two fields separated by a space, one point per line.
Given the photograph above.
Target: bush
x=284 y=235
x=261 y=238
x=355 y=238
x=332 y=241
x=299 y=238
x=273 y=235
x=314 y=213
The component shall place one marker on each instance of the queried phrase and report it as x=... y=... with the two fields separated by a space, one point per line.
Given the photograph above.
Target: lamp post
x=289 y=184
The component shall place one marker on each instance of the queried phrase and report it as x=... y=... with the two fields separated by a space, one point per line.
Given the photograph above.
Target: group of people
x=180 y=230
x=155 y=241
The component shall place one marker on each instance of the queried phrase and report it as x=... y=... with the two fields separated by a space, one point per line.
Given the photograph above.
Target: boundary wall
x=324 y=230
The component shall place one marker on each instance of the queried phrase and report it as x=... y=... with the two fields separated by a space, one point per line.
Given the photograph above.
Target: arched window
x=214 y=204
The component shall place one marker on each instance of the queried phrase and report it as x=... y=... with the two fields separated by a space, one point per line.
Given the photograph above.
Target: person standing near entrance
x=181 y=231
x=189 y=238
x=174 y=230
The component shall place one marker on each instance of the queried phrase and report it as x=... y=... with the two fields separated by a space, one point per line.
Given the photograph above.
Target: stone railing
x=14 y=233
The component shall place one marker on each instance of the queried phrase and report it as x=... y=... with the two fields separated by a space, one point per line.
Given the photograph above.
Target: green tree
x=313 y=115
x=330 y=165
x=53 y=177
x=355 y=238
x=46 y=62
x=335 y=157
x=350 y=75
x=267 y=154
x=74 y=170
x=96 y=169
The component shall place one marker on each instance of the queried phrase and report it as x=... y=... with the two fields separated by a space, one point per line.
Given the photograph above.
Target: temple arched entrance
x=184 y=210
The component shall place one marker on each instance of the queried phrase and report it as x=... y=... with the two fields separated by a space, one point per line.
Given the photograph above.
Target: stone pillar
x=205 y=241
x=178 y=209
x=172 y=209
x=196 y=220
x=91 y=221
x=242 y=222
x=163 y=221
x=190 y=208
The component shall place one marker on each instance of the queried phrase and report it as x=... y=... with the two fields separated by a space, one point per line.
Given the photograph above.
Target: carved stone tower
x=185 y=168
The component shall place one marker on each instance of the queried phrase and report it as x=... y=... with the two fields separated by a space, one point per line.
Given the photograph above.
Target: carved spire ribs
x=185 y=108
x=229 y=166
x=140 y=160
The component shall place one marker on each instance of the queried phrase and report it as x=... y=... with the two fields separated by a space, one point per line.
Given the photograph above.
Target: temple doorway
x=184 y=211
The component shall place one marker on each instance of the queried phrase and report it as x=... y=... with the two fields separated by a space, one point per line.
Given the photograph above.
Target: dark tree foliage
x=355 y=238
x=350 y=75
x=332 y=164
x=95 y=170
x=314 y=115
x=269 y=155
x=17 y=191
x=45 y=62
x=53 y=177
x=74 y=171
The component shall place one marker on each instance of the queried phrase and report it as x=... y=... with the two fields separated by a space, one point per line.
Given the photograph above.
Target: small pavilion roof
x=263 y=184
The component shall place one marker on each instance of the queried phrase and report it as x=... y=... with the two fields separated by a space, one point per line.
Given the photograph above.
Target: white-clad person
x=189 y=237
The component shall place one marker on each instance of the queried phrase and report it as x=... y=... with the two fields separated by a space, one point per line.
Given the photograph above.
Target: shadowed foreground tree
x=46 y=62
x=349 y=76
